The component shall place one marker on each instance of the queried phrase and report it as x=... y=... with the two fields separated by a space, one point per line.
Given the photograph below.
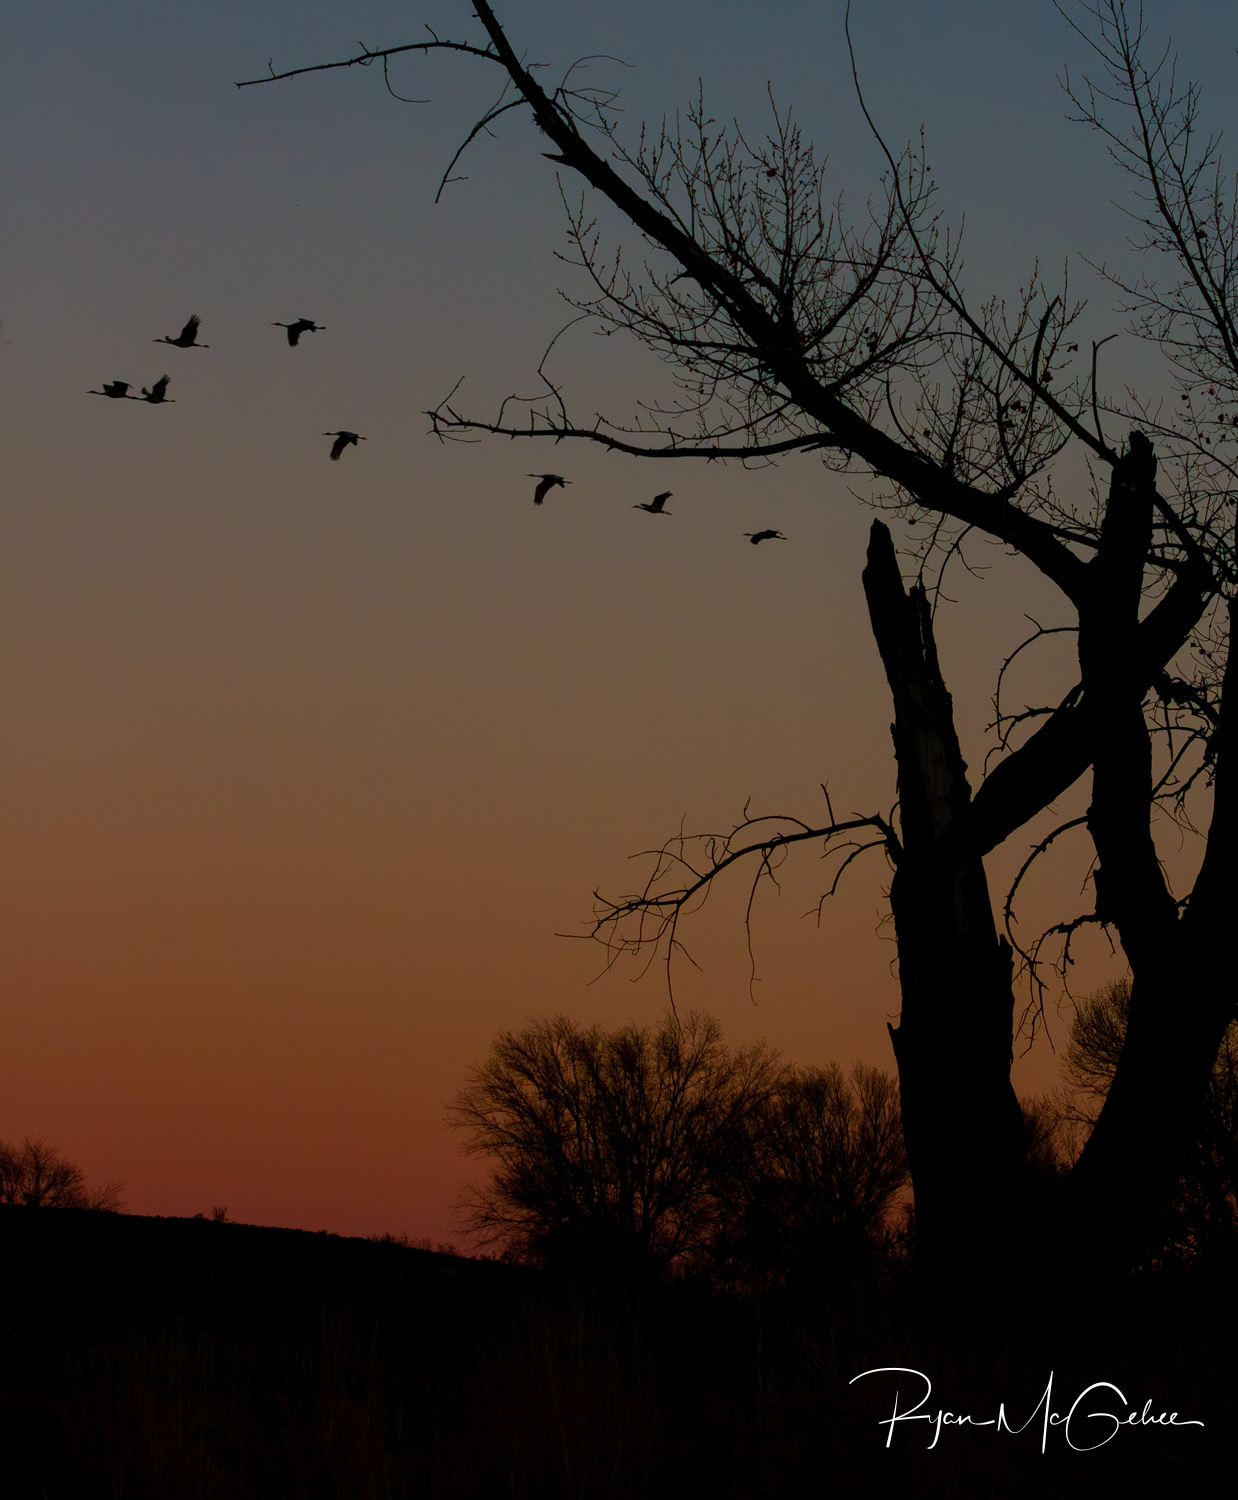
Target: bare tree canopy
x=611 y=1148
x=662 y=1150
x=820 y=1183
x=36 y=1175
x=1095 y=1046
x=791 y=327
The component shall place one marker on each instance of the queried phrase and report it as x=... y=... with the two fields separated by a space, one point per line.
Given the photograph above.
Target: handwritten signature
x=1089 y=1406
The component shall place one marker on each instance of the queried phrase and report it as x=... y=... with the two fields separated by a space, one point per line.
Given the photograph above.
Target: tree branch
x=658 y=907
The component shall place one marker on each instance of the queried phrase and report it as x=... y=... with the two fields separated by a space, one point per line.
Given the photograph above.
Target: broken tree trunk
x=961 y=1120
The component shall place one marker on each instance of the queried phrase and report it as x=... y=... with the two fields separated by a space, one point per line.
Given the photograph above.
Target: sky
x=308 y=765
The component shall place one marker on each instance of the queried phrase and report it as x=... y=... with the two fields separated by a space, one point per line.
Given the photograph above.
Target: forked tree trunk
x=953 y=1044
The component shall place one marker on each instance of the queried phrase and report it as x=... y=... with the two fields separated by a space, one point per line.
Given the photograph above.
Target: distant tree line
x=660 y=1150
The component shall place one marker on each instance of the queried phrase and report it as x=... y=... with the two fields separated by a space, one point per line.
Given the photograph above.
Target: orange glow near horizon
x=307 y=764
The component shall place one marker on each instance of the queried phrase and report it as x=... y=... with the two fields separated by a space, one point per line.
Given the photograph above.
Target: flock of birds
x=187 y=338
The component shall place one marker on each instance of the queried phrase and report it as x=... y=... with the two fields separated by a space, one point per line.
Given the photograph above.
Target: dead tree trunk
x=1181 y=992
x=953 y=1043
x=1182 y=975
x=961 y=1120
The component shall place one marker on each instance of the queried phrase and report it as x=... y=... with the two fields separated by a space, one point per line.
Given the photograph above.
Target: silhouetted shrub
x=38 y=1176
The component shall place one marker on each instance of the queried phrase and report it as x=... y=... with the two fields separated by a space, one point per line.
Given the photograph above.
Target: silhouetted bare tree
x=1049 y=1143
x=662 y=1150
x=610 y=1148
x=36 y=1175
x=826 y=1164
x=794 y=330
x=1093 y=1051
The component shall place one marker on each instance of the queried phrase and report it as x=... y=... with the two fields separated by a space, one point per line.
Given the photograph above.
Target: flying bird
x=187 y=338
x=302 y=325
x=655 y=506
x=342 y=440
x=765 y=536
x=157 y=392
x=546 y=482
x=115 y=389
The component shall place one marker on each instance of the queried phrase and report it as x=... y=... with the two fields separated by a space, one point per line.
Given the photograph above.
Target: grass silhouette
x=204 y=1360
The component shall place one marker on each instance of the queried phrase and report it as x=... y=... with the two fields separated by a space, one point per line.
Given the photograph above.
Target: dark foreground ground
x=180 y=1358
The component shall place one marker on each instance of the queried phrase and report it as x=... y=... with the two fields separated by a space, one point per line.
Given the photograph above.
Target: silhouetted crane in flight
x=157 y=392
x=187 y=338
x=655 y=506
x=342 y=440
x=546 y=482
x=765 y=536
x=116 y=389
x=302 y=325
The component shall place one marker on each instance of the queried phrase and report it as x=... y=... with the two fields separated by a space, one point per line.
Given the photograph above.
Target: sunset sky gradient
x=305 y=764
